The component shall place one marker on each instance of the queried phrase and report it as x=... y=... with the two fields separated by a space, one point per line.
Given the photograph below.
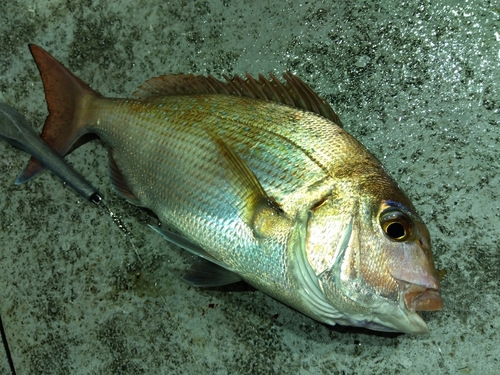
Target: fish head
x=372 y=257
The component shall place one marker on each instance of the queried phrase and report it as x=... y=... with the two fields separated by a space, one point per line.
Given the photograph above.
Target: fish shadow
x=345 y=330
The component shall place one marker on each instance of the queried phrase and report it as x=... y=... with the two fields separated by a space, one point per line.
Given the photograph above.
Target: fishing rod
x=15 y=129
x=6 y=347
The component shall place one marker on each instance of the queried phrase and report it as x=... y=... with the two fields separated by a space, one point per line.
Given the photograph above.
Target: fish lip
x=421 y=298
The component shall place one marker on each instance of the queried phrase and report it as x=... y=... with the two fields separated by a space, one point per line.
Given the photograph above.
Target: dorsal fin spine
x=293 y=92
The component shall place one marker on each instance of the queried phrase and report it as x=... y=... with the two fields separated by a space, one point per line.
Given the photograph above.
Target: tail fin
x=67 y=97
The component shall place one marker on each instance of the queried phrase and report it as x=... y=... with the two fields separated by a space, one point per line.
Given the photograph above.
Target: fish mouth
x=420 y=298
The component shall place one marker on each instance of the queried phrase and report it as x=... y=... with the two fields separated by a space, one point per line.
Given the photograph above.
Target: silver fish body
x=276 y=195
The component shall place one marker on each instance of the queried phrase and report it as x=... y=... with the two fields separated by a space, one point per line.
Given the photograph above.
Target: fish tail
x=67 y=98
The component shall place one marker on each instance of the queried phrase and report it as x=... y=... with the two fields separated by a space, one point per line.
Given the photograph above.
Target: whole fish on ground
x=258 y=178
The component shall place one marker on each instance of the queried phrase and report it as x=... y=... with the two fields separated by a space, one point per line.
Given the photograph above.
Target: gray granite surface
x=418 y=82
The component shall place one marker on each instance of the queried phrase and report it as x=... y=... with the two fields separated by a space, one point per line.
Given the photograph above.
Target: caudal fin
x=67 y=97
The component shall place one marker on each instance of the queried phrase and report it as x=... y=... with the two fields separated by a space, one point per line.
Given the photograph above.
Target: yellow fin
x=246 y=186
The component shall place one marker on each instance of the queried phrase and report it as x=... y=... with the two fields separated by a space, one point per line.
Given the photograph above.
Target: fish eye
x=396 y=224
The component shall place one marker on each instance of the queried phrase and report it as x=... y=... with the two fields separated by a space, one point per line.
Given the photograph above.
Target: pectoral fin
x=258 y=210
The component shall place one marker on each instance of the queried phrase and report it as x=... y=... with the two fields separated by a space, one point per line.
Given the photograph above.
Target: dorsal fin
x=294 y=92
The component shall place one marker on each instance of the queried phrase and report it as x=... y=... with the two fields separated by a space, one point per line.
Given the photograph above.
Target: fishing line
x=6 y=347
x=128 y=234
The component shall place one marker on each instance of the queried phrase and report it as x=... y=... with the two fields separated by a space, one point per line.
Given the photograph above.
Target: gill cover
x=313 y=301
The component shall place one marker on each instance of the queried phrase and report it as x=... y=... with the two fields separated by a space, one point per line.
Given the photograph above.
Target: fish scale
x=190 y=150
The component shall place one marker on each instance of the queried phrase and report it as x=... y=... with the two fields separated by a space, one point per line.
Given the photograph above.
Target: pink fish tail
x=66 y=97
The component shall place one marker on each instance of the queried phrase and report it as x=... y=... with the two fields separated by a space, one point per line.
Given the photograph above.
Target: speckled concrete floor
x=417 y=82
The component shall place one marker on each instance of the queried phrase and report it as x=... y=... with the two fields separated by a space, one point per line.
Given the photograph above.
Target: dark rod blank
x=6 y=347
x=16 y=130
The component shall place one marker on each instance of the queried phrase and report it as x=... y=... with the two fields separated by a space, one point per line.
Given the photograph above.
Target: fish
x=258 y=179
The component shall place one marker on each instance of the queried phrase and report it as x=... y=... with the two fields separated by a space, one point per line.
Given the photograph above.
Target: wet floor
x=417 y=83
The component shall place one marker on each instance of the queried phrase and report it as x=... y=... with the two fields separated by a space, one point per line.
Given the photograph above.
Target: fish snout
x=421 y=298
